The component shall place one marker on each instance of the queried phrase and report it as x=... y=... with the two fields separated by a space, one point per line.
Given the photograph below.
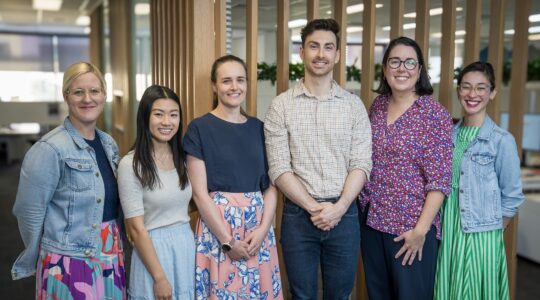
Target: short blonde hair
x=78 y=69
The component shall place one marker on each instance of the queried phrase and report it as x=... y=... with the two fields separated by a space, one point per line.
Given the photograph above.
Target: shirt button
x=97 y=174
x=462 y=172
x=462 y=210
x=87 y=252
x=465 y=228
x=461 y=191
x=79 y=166
x=94 y=226
x=99 y=200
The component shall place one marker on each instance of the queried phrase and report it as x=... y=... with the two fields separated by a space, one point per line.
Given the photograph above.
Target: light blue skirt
x=175 y=248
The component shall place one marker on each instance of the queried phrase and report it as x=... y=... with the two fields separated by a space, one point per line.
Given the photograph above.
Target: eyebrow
x=162 y=110
x=317 y=43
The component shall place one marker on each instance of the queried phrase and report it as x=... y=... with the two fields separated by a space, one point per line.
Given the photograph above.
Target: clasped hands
x=243 y=249
x=326 y=215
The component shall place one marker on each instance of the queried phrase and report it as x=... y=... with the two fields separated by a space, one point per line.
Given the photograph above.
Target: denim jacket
x=60 y=198
x=490 y=179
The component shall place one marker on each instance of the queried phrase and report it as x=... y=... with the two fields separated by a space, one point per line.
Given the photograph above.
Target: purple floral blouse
x=410 y=158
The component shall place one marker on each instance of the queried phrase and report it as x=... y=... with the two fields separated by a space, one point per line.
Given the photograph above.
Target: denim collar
x=79 y=140
x=485 y=130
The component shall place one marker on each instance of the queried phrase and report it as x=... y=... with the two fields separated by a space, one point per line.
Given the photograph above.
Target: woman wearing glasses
x=412 y=154
x=67 y=201
x=486 y=193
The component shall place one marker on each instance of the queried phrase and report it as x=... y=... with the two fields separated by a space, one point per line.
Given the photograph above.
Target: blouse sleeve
x=192 y=141
x=130 y=189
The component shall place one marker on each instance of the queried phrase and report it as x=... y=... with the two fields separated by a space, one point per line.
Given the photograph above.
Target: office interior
x=137 y=43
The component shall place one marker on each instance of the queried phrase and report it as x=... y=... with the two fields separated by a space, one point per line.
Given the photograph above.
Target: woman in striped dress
x=486 y=193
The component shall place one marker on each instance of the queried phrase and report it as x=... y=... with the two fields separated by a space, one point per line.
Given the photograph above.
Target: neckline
x=228 y=122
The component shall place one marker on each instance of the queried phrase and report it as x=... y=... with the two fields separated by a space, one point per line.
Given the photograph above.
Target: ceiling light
x=534 y=18
x=432 y=12
x=534 y=29
x=352 y=29
x=87 y=30
x=461 y=32
x=47 y=4
x=142 y=9
x=460 y=41
x=459 y=8
x=297 y=23
x=409 y=26
x=83 y=21
x=436 y=35
x=359 y=8
x=296 y=38
x=534 y=37
x=385 y=28
x=509 y=31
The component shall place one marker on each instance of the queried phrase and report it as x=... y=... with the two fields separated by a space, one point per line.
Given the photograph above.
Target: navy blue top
x=110 y=209
x=233 y=154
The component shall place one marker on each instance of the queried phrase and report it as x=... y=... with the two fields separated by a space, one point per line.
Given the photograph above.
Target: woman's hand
x=162 y=289
x=412 y=247
x=239 y=250
x=255 y=239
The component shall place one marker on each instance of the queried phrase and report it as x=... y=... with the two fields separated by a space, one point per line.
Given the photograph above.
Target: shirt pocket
x=79 y=174
x=483 y=164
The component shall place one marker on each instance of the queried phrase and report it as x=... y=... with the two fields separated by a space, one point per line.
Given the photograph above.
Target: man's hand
x=329 y=216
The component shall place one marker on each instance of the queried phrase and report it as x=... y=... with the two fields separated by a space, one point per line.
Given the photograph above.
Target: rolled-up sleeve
x=437 y=153
x=277 y=140
x=40 y=174
x=360 y=158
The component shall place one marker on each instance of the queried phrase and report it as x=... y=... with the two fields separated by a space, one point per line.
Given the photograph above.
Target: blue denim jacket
x=59 y=204
x=490 y=179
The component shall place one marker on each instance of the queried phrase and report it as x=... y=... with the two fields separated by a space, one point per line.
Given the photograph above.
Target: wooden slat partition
x=251 y=55
x=397 y=9
x=448 y=29
x=220 y=21
x=97 y=38
x=421 y=33
x=495 y=53
x=313 y=9
x=340 y=15
x=472 y=26
x=368 y=52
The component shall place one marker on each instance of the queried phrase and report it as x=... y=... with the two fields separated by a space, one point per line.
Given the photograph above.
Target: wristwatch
x=227 y=246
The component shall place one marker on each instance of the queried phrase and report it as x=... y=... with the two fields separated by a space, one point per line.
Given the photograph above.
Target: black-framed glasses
x=480 y=90
x=409 y=63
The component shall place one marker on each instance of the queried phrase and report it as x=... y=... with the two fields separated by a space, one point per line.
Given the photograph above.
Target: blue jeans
x=305 y=247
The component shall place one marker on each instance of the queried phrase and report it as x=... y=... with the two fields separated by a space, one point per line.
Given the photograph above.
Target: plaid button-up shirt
x=319 y=139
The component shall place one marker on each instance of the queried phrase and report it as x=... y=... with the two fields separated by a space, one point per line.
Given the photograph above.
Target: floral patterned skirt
x=99 y=277
x=216 y=275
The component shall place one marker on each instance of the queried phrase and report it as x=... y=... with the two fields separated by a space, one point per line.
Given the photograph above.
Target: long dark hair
x=213 y=76
x=143 y=163
x=423 y=86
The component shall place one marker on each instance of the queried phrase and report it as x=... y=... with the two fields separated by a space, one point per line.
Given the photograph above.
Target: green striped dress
x=470 y=265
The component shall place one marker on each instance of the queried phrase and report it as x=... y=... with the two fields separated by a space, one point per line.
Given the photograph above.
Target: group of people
x=424 y=201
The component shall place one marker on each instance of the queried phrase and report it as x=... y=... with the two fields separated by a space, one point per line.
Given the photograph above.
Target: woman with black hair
x=412 y=155
x=155 y=193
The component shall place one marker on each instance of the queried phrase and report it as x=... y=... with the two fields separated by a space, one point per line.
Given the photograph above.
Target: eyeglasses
x=80 y=93
x=409 y=63
x=480 y=90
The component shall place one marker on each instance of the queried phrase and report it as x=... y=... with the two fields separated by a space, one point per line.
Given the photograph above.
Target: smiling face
x=231 y=84
x=320 y=53
x=402 y=80
x=164 y=120
x=85 y=98
x=474 y=93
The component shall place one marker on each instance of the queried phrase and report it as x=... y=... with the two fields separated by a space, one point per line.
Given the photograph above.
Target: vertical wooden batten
x=340 y=15
x=368 y=52
x=282 y=80
x=251 y=55
x=448 y=30
x=313 y=9
x=421 y=32
x=517 y=90
x=121 y=69
x=472 y=27
x=220 y=28
x=495 y=53
x=397 y=9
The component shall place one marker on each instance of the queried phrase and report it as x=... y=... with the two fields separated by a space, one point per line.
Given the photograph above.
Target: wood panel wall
x=448 y=30
x=495 y=53
x=472 y=28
